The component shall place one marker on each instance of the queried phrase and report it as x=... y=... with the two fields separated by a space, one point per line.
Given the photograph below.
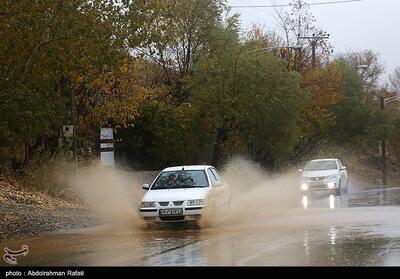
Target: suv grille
x=317 y=186
x=317 y=178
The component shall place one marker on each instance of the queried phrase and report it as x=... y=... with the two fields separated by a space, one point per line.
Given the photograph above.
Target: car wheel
x=213 y=212
x=209 y=217
x=346 y=189
x=338 y=190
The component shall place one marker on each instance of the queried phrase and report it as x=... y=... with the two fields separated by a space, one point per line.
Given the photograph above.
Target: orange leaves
x=325 y=85
x=114 y=96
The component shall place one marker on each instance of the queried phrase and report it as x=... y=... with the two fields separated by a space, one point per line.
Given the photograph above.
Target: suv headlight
x=330 y=177
x=195 y=202
x=331 y=185
x=148 y=204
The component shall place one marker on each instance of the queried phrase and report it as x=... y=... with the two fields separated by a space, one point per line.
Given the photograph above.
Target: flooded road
x=359 y=228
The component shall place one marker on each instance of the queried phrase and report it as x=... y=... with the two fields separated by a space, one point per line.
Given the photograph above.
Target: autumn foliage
x=177 y=80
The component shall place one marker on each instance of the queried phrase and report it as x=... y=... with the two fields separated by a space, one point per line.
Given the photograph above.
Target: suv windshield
x=180 y=179
x=321 y=165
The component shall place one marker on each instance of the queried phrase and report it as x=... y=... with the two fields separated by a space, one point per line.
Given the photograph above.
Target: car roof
x=189 y=167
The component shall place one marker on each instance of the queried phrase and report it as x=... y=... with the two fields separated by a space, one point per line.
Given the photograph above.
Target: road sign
x=107 y=147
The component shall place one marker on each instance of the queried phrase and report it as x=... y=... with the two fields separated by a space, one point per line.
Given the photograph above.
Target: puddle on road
x=113 y=197
x=304 y=237
x=267 y=214
x=258 y=199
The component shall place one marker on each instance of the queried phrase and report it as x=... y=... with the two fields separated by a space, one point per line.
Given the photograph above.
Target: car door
x=213 y=191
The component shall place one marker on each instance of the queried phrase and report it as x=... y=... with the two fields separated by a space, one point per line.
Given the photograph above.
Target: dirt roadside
x=24 y=213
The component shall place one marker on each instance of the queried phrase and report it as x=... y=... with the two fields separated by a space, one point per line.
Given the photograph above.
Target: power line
x=290 y=5
x=247 y=4
x=313 y=41
x=253 y=15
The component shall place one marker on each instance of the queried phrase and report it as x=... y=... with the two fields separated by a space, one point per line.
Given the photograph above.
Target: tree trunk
x=217 y=151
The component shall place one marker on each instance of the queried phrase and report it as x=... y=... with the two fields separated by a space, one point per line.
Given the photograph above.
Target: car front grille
x=317 y=178
x=163 y=203
x=172 y=218
x=178 y=202
x=317 y=186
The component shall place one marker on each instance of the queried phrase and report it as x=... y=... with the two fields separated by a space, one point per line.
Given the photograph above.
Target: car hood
x=176 y=194
x=319 y=173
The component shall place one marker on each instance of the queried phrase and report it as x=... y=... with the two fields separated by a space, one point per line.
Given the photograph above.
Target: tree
x=171 y=33
x=252 y=101
x=114 y=97
x=300 y=22
x=323 y=87
x=369 y=74
x=394 y=80
x=357 y=124
x=366 y=134
x=49 y=50
x=161 y=135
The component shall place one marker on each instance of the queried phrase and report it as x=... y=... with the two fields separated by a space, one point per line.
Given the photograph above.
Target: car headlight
x=330 y=177
x=331 y=185
x=304 y=186
x=195 y=202
x=148 y=204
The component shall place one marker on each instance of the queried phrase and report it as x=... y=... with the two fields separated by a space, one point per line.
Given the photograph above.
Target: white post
x=106 y=147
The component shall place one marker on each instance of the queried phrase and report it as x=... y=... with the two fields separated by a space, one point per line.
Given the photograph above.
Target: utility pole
x=383 y=102
x=75 y=152
x=313 y=40
x=384 y=161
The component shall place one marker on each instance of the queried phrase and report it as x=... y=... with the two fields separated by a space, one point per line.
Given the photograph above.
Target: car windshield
x=180 y=179
x=321 y=165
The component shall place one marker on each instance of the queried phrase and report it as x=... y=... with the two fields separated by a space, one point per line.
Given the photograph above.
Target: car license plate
x=171 y=211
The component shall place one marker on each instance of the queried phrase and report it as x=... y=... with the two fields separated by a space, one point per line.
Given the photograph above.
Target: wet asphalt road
x=361 y=228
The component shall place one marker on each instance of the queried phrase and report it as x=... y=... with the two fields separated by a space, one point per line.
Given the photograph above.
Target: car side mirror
x=343 y=168
x=300 y=170
x=218 y=183
x=146 y=187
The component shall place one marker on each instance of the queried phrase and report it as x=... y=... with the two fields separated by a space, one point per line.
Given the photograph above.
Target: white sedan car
x=324 y=174
x=181 y=194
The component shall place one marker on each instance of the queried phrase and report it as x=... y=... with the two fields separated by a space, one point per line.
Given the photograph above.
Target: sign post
x=106 y=147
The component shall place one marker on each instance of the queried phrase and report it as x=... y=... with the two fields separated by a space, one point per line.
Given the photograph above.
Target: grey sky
x=369 y=24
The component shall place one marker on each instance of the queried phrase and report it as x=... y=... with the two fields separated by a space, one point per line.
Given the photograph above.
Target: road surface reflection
x=352 y=229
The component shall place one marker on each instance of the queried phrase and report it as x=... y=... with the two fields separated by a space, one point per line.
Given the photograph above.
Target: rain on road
x=359 y=228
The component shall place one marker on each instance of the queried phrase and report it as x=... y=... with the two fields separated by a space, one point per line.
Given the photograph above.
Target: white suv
x=324 y=174
x=181 y=194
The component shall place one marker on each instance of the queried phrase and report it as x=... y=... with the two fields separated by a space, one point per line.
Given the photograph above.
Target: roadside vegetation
x=180 y=83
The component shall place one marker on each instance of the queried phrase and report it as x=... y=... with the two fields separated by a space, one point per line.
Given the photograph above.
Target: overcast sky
x=369 y=24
